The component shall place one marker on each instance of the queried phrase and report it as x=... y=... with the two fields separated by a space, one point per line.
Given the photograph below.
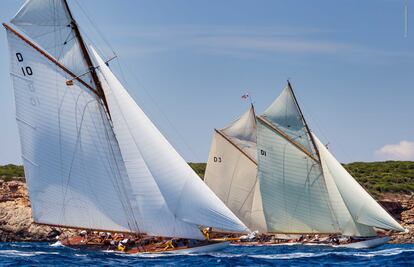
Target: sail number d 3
x=26 y=70
x=217 y=159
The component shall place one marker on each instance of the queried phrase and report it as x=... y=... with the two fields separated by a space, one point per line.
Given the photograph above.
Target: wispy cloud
x=248 y=42
x=271 y=44
x=404 y=150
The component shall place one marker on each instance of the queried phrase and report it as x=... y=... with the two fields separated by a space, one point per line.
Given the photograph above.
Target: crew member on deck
x=206 y=232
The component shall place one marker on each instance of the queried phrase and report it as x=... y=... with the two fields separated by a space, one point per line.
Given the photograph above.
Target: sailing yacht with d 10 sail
x=92 y=158
x=278 y=178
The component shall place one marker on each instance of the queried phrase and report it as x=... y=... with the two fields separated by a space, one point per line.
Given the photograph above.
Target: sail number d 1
x=262 y=152
x=217 y=159
x=26 y=70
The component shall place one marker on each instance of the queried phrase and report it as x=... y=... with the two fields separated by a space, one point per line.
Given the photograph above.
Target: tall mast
x=304 y=121
x=87 y=58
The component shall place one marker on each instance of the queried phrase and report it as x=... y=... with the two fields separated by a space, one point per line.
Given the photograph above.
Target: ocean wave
x=369 y=254
x=13 y=253
x=285 y=256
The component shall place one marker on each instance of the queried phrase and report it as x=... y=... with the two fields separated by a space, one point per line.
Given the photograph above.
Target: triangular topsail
x=84 y=170
x=50 y=25
x=231 y=170
x=285 y=115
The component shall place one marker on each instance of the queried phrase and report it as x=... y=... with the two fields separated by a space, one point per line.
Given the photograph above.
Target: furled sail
x=362 y=207
x=73 y=166
x=231 y=170
x=148 y=155
x=50 y=24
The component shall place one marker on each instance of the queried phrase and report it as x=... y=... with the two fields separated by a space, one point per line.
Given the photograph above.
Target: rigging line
x=107 y=131
x=109 y=169
x=304 y=121
x=59 y=55
x=73 y=160
x=44 y=33
x=163 y=114
x=181 y=138
x=325 y=134
x=94 y=25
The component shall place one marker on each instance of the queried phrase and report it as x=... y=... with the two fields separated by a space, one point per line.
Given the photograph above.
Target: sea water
x=43 y=254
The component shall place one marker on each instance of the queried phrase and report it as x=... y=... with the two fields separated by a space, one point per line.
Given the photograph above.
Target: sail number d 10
x=217 y=159
x=26 y=70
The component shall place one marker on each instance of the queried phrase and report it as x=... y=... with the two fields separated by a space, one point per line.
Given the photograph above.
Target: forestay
x=231 y=170
x=74 y=169
x=148 y=154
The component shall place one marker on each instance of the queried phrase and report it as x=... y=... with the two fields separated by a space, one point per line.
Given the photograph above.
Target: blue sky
x=187 y=63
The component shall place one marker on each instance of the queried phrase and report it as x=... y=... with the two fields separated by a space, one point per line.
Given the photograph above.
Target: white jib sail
x=231 y=170
x=187 y=197
x=363 y=208
x=73 y=166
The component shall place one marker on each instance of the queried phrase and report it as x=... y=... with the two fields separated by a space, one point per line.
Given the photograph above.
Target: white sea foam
x=370 y=254
x=57 y=244
x=13 y=253
x=286 y=256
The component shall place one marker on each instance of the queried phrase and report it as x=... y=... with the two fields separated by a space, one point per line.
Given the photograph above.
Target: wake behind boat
x=92 y=158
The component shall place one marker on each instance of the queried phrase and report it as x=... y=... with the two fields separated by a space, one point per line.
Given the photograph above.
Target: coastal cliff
x=16 y=223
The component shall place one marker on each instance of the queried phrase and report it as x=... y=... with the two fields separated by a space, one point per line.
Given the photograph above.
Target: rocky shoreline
x=16 y=223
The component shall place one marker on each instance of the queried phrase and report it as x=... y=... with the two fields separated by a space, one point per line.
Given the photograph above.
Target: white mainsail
x=231 y=170
x=304 y=188
x=80 y=169
x=74 y=170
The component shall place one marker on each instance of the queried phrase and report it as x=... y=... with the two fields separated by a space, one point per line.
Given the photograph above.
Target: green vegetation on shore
x=199 y=168
x=376 y=177
x=384 y=177
x=11 y=172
